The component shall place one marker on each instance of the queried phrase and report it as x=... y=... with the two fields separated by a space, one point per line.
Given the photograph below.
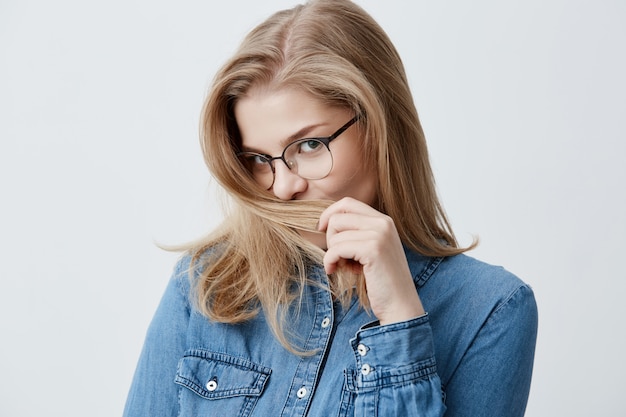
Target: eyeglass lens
x=308 y=158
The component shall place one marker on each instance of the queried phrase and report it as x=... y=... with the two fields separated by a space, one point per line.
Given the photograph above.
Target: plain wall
x=523 y=104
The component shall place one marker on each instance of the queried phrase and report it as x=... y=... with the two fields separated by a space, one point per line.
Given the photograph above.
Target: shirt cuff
x=394 y=353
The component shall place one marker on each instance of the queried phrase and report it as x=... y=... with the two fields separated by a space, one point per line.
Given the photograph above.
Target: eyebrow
x=300 y=134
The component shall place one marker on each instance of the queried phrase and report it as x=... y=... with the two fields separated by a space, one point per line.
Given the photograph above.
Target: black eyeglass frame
x=325 y=140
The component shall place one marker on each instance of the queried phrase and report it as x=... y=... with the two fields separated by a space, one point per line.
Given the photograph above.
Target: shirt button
x=211 y=385
x=362 y=349
x=302 y=392
x=325 y=322
x=366 y=369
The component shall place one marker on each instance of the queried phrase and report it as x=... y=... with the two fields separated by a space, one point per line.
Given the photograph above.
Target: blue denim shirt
x=471 y=355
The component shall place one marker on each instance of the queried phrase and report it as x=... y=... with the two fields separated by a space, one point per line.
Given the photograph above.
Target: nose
x=287 y=184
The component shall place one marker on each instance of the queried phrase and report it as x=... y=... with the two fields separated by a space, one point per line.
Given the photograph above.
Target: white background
x=523 y=104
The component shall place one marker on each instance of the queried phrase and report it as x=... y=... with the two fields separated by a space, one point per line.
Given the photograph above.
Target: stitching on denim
x=421 y=278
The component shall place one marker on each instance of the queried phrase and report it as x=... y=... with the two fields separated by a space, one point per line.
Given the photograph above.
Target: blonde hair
x=334 y=51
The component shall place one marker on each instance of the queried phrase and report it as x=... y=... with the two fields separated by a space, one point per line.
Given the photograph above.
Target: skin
x=353 y=233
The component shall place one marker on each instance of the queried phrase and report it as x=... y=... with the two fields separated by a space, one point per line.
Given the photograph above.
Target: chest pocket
x=219 y=384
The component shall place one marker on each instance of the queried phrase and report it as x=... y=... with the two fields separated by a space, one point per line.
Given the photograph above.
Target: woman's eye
x=258 y=160
x=255 y=162
x=309 y=146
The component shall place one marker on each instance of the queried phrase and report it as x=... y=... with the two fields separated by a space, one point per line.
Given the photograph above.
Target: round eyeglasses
x=310 y=158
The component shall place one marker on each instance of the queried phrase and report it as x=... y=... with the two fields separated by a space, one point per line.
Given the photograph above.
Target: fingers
x=351 y=248
x=361 y=239
x=354 y=232
x=344 y=206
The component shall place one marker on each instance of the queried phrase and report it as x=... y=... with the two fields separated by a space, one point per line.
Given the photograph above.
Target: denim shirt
x=470 y=355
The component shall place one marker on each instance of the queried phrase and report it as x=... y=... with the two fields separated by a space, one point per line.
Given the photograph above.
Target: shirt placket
x=307 y=372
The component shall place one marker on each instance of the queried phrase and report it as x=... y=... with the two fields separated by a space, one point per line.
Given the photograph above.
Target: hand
x=358 y=236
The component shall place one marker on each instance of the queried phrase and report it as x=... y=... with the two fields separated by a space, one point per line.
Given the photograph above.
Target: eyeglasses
x=310 y=158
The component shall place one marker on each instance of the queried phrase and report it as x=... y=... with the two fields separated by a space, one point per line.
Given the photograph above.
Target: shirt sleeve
x=493 y=379
x=396 y=373
x=153 y=391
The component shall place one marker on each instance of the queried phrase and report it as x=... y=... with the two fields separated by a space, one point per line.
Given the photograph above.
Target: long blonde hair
x=334 y=51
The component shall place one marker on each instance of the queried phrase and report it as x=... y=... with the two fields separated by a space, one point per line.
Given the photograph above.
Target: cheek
x=355 y=181
x=367 y=188
x=351 y=176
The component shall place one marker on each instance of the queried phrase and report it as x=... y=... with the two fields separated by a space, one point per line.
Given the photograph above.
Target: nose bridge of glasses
x=290 y=163
x=308 y=165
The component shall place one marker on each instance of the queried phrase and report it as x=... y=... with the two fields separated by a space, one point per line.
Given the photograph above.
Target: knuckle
x=386 y=223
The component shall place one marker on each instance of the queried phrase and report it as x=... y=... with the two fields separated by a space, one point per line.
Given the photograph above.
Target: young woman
x=334 y=286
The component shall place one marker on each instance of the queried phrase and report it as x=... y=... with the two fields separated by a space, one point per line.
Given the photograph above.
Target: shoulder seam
x=513 y=293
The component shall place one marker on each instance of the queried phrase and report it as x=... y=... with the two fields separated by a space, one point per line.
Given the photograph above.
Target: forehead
x=269 y=119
